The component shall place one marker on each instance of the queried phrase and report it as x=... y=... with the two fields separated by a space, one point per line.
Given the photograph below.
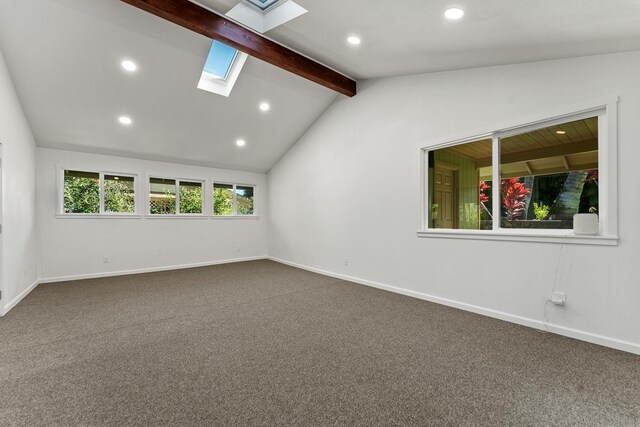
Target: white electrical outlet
x=106 y=259
x=346 y=261
x=237 y=248
x=559 y=298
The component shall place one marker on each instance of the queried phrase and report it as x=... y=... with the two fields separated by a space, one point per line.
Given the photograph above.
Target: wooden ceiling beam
x=203 y=21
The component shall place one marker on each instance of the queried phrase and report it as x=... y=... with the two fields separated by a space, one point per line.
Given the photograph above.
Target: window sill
x=546 y=236
x=98 y=216
x=235 y=217
x=174 y=216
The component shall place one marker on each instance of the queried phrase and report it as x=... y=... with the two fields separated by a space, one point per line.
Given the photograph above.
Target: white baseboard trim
x=146 y=270
x=524 y=321
x=19 y=298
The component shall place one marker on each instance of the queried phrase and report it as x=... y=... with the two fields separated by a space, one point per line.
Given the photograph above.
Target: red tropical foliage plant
x=484 y=198
x=485 y=190
x=592 y=176
x=514 y=194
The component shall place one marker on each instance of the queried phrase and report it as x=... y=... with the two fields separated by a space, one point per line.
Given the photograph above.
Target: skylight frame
x=269 y=4
x=223 y=86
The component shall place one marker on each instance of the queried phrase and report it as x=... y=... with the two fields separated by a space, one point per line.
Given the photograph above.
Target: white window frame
x=102 y=212
x=178 y=214
x=607 y=113
x=235 y=214
x=223 y=87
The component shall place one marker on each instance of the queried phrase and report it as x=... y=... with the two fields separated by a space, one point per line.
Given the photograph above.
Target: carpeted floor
x=259 y=343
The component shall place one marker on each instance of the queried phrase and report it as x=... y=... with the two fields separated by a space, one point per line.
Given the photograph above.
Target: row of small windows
x=98 y=193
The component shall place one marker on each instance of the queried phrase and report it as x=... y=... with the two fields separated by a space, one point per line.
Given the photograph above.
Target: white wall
x=19 y=239
x=75 y=247
x=350 y=188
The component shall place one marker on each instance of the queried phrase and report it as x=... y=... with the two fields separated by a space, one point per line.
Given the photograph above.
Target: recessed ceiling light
x=560 y=132
x=354 y=40
x=124 y=120
x=264 y=106
x=241 y=143
x=454 y=13
x=129 y=65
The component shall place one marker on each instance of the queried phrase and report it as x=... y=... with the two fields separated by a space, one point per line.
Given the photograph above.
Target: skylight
x=221 y=69
x=220 y=60
x=265 y=15
x=263 y=5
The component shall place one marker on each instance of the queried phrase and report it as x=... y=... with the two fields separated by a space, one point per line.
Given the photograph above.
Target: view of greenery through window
x=546 y=176
x=542 y=201
x=244 y=200
x=190 y=197
x=162 y=196
x=119 y=194
x=82 y=195
x=81 y=192
x=222 y=199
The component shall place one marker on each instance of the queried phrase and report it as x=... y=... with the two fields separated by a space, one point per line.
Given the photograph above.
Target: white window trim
x=179 y=215
x=102 y=213
x=235 y=214
x=607 y=112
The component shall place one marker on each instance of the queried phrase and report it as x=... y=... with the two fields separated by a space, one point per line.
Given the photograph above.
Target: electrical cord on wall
x=562 y=257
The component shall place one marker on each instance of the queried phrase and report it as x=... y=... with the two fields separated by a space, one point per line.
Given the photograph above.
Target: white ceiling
x=64 y=57
x=412 y=36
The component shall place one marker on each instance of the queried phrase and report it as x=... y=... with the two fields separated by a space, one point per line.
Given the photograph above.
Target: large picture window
x=535 y=177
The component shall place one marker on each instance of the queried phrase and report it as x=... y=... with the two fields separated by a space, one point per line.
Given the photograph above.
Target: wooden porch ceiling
x=578 y=136
x=568 y=147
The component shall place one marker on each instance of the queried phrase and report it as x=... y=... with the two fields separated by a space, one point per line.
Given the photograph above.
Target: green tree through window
x=81 y=192
x=222 y=199
x=190 y=197
x=119 y=194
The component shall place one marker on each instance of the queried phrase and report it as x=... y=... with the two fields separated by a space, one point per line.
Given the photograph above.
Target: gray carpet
x=260 y=343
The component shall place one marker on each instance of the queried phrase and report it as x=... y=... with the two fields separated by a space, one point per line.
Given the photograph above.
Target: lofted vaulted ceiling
x=411 y=36
x=64 y=57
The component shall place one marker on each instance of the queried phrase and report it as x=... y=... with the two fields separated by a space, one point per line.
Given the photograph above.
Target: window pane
x=119 y=194
x=244 y=200
x=549 y=175
x=81 y=192
x=190 y=197
x=162 y=196
x=220 y=60
x=222 y=199
x=460 y=186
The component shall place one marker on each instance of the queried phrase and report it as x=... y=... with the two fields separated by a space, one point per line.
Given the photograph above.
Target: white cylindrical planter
x=586 y=223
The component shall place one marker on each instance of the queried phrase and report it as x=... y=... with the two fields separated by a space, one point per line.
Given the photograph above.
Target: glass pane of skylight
x=264 y=4
x=220 y=60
